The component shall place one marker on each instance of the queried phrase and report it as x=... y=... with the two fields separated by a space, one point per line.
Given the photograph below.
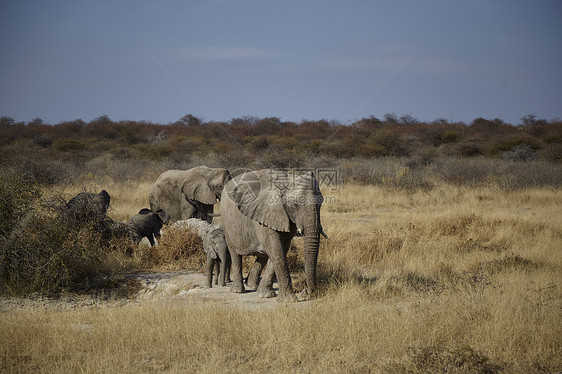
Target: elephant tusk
x=213 y=215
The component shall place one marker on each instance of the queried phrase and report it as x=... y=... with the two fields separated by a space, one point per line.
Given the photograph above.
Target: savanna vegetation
x=444 y=251
x=481 y=152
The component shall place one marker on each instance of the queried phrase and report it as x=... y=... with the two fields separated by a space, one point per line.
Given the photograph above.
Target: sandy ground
x=177 y=286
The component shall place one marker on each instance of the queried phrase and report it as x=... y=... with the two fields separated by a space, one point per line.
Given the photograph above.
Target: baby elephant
x=214 y=245
x=146 y=224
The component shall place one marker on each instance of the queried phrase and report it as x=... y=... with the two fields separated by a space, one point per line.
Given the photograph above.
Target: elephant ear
x=197 y=188
x=209 y=248
x=258 y=197
x=161 y=213
x=105 y=198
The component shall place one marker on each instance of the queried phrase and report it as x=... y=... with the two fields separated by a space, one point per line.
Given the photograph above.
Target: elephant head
x=186 y=194
x=283 y=201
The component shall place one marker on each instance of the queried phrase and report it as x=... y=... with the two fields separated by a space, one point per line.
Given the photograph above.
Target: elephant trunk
x=311 y=243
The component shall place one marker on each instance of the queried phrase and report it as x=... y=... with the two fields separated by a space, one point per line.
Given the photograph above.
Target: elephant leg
x=266 y=284
x=237 y=284
x=265 y=288
x=255 y=272
x=228 y=266
x=276 y=250
x=217 y=273
x=207 y=212
x=210 y=266
x=222 y=272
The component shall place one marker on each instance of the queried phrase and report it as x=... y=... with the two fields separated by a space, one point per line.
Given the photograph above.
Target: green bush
x=449 y=137
x=466 y=149
x=393 y=141
x=68 y=145
x=509 y=144
x=371 y=150
x=154 y=152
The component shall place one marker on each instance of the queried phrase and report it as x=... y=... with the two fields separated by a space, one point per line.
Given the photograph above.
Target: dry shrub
x=374 y=248
x=552 y=151
x=454 y=225
x=393 y=173
x=436 y=359
x=295 y=258
x=520 y=153
x=178 y=248
x=466 y=171
x=413 y=282
x=17 y=195
x=351 y=258
x=506 y=175
x=511 y=262
x=53 y=250
x=118 y=169
x=39 y=164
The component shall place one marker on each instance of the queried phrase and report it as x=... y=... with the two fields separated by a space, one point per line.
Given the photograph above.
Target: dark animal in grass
x=147 y=224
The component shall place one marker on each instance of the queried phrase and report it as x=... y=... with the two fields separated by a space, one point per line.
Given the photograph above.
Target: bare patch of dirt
x=189 y=284
x=184 y=286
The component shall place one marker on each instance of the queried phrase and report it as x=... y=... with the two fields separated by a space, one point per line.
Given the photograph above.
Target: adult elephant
x=186 y=194
x=261 y=212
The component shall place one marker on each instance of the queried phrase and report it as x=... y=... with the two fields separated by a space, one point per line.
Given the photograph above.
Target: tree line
x=368 y=137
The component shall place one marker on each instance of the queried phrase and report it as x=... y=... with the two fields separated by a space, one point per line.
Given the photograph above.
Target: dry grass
x=451 y=280
x=178 y=248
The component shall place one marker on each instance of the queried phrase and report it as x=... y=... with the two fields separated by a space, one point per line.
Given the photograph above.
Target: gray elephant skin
x=86 y=206
x=146 y=224
x=186 y=194
x=214 y=245
x=261 y=212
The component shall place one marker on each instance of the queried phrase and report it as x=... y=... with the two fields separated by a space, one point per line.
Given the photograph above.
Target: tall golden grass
x=450 y=280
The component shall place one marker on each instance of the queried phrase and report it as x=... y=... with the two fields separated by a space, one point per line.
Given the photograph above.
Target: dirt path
x=190 y=284
x=173 y=286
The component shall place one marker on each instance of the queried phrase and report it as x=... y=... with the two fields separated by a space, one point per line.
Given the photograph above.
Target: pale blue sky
x=308 y=59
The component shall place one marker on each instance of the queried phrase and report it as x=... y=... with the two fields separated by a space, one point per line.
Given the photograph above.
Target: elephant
x=87 y=206
x=146 y=224
x=214 y=245
x=185 y=194
x=261 y=212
